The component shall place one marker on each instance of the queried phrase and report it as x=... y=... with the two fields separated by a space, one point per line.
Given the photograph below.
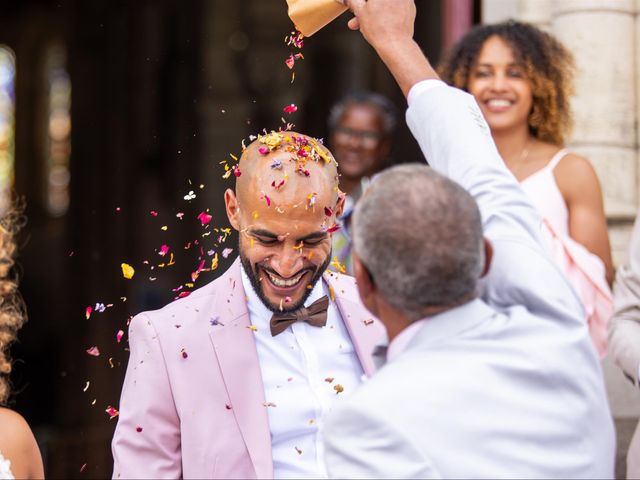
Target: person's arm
x=146 y=443
x=580 y=188
x=456 y=141
x=380 y=449
x=18 y=445
x=624 y=328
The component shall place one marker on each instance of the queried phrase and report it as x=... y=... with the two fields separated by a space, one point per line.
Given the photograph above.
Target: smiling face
x=500 y=85
x=359 y=141
x=284 y=216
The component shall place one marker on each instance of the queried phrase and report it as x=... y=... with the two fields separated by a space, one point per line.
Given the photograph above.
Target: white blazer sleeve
x=456 y=141
x=362 y=444
x=146 y=443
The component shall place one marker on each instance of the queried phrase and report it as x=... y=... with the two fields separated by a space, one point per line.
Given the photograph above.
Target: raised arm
x=455 y=139
x=146 y=443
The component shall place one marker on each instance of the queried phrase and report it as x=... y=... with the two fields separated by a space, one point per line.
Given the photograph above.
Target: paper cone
x=309 y=16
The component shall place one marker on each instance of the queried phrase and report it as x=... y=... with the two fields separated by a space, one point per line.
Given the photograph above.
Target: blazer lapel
x=366 y=332
x=235 y=349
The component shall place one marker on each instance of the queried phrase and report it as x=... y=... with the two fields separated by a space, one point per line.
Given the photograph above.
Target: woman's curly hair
x=12 y=308
x=549 y=67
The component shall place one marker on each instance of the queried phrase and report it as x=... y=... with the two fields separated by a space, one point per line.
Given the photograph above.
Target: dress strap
x=556 y=159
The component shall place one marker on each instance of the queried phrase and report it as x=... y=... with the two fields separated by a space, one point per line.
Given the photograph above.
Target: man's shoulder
x=200 y=302
x=342 y=285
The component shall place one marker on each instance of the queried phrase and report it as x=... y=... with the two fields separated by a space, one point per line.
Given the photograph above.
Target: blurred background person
x=624 y=333
x=522 y=78
x=361 y=128
x=19 y=453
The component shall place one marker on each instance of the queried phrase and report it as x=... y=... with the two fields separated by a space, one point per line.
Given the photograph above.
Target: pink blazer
x=192 y=402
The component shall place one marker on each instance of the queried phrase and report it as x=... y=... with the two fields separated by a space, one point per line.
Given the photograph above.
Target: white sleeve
x=360 y=444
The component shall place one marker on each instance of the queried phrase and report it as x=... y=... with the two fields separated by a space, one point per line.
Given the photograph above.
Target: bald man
x=233 y=380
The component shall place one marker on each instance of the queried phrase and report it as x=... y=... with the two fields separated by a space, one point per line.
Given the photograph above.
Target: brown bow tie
x=315 y=314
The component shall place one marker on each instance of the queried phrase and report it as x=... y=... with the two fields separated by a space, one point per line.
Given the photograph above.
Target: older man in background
x=624 y=332
x=361 y=126
x=491 y=379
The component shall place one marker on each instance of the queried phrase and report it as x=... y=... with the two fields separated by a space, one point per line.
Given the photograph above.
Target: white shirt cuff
x=423 y=86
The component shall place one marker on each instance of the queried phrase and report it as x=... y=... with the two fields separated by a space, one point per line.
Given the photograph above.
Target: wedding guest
x=19 y=453
x=233 y=381
x=624 y=334
x=484 y=379
x=522 y=79
x=361 y=126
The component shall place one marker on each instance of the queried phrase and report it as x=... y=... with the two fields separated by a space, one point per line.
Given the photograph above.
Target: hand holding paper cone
x=309 y=16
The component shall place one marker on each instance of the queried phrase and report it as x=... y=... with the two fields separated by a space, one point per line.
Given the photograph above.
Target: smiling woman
x=522 y=79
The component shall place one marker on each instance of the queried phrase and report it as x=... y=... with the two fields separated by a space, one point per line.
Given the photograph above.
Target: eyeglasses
x=367 y=137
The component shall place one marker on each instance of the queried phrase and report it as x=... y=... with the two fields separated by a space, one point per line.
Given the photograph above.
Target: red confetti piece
x=236 y=171
x=112 y=412
x=328 y=212
x=87 y=312
x=184 y=354
x=119 y=335
x=164 y=249
x=154 y=213
x=83 y=467
x=138 y=429
x=290 y=109
x=333 y=229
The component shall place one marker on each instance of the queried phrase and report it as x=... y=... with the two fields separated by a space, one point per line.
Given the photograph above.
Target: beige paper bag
x=309 y=16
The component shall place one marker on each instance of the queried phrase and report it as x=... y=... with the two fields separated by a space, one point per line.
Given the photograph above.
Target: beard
x=253 y=274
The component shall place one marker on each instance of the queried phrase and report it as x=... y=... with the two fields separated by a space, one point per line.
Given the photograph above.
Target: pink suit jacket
x=192 y=402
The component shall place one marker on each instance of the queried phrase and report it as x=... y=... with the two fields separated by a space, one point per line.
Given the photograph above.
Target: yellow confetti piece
x=233 y=156
x=253 y=328
x=111 y=362
x=254 y=214
x=214 y=262
x=164 y=227
x=340 y=267
x=127 y=271
x=332 y=294
x=298 y=247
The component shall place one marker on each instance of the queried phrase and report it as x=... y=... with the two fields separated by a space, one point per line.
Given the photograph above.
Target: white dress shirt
x=505 y=386
x=302 y=370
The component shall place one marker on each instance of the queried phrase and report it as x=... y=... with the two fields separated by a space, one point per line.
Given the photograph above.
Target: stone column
x=537 y=12
x=601 y=35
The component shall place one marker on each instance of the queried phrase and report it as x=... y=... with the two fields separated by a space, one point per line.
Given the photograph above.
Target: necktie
x=315 y=314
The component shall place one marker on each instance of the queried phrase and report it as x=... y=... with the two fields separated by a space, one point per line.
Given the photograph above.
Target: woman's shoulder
x=18 y=445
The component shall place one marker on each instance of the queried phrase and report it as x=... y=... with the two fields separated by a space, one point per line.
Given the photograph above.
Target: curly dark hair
x=12 y=308
x=548 y=64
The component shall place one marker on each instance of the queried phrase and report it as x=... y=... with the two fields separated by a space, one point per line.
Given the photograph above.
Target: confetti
x=339 y=266
x=329 y=379
x=328 y=212
x=190 y=196
x=204 y=218
x=127 y=271
x=86 y=386
x=112 y=412
x=83 y=467
x=179 y=215
x=338 y=388
x=333 y=229
x=154 y=213
x=253 y=328
x=290 y=108
x=164 y=249
x=298 y=450
x=87 y=312
x=119 y=335
x=184 y=354
x=111 y=362
x=368 y=322
x=138 y=429
x=236 y=170
x=93 y=351
x=226 y=252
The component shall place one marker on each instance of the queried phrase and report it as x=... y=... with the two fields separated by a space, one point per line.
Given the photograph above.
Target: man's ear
x=488 y=256
x=365 y=283
x=340 y=204
x=233 y=208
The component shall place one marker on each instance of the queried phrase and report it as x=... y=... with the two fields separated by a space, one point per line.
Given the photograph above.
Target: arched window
x=7 y=124
x=58 y=130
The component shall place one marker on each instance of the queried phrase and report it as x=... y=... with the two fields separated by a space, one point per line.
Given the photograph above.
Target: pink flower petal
x=263 y=150
x=164 y=249
x=119 y=335
x=93 y=351
x=204 y=218
x=87 y=312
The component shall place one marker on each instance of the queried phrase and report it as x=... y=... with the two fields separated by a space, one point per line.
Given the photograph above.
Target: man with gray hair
x=491 y=378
